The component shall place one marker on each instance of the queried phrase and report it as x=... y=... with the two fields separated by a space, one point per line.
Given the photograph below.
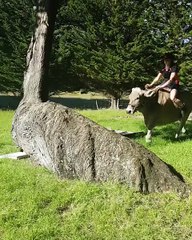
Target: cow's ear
x=137 y=90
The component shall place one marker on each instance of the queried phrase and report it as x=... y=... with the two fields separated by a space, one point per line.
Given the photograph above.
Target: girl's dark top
x=167 y=73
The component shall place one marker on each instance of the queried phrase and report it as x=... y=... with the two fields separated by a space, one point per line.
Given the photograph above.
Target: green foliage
x=16 y=24
x=108 y=45
x=170 y=25
x=186 y=73
x=34 y=204
x=115 y=45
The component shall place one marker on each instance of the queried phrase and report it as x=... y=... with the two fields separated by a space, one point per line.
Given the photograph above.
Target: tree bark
x=71 y=145
x=114 y=103
x=37 y=61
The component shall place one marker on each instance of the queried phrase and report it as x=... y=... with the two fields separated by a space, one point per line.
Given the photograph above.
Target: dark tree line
x=16 y=26
x=109 y=46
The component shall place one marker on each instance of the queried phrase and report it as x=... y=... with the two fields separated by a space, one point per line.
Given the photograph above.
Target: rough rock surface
x=73 y=146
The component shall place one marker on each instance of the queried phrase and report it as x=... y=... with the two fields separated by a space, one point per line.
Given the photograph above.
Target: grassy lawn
x=35 y=204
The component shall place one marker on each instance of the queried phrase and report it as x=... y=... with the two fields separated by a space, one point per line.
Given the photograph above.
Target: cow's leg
x=183 y=130
x=148 y=137
x=182 y=124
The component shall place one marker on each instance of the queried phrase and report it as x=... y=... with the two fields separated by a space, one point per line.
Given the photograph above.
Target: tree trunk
x=114 y=103
x=35 y=78
x=71 y=145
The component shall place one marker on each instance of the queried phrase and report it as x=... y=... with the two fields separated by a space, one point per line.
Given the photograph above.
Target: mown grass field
x=35 y=204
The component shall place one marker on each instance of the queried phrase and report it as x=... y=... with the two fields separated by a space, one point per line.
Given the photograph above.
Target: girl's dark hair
x=169 y=56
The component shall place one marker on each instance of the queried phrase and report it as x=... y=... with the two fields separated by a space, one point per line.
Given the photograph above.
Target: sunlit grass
x=116 y=119
x=6 y=142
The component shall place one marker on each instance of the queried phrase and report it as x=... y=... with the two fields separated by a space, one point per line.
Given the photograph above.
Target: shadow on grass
x=168 y=132
x=133 y=135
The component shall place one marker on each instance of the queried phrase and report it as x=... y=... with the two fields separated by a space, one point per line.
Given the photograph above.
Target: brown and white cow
x=158 y=109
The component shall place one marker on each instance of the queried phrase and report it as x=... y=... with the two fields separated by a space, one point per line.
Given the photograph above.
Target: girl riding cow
x=170 y=77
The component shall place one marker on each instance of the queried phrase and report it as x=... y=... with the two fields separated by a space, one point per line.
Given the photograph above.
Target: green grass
x=6 y=143
x=35 y=204
x=116 y=120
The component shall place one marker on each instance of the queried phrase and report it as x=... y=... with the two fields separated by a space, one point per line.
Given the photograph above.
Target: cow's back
x=162 y=111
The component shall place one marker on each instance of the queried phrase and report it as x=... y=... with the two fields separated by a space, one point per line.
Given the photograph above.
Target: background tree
x=170 y=27
x=107 y=43
x=16 y=24
x=109 y=46
x=115 y=45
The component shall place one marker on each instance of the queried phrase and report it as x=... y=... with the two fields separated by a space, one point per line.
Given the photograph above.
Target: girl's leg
x=173 y=94
x=177 y=102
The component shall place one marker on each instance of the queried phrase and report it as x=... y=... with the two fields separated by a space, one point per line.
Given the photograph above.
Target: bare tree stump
x=71 y=145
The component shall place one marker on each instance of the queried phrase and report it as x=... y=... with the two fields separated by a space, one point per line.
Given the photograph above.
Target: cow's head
x=135 y=100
